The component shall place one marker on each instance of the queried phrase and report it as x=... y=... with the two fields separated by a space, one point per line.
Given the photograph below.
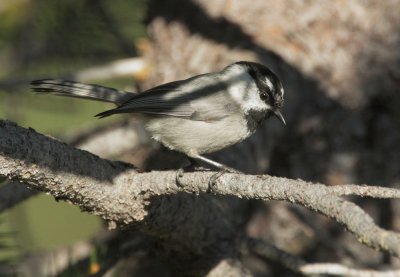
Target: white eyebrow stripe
x=269 y=84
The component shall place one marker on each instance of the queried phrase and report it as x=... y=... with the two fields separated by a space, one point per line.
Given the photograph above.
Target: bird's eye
x=264 y=96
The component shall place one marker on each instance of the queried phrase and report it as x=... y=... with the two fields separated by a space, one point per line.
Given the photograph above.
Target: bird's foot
x=213 y=179
x=178 y=176
x=189 y=168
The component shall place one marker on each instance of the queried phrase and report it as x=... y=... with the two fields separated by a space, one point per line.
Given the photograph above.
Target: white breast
x=198 y=137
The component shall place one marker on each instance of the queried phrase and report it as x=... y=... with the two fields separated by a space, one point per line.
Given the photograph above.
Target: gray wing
x=190 y=99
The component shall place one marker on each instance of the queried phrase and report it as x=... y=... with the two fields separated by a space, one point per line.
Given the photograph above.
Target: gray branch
x=124 y=137
x=342 y=270
x=181 y=213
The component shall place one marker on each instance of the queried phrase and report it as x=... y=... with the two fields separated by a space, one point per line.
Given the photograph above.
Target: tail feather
x=79 y=90
x=106 y=113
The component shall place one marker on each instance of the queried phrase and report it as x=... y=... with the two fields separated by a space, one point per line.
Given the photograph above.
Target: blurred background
x=339 y=62
x=41 y=39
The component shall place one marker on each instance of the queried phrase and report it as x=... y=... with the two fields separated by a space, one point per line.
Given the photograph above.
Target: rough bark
x=126 y=140
x=180 y=212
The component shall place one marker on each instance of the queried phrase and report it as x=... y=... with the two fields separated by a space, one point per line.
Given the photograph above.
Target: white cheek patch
x=240 y=82
x=244 y=90
x=254 y=102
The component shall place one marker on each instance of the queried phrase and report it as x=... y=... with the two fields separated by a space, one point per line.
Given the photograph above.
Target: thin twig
x=119 y=68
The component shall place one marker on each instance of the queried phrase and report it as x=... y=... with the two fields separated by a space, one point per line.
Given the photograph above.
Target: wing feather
x=183 y=99
x=167 y=99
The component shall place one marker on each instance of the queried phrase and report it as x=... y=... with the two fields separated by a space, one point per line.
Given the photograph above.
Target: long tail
x=79 y=90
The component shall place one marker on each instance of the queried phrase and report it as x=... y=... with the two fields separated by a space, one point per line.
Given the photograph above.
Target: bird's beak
x=278 y=114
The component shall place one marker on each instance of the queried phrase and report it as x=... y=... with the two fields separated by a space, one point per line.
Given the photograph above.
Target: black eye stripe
x=267 y=83
x=265 y=92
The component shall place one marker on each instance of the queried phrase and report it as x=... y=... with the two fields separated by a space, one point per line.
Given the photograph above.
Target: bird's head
x=270 y=89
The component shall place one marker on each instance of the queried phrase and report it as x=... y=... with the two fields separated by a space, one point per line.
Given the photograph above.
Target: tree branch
x=136 y=67
x=229 y=267
x=52 y=263
x=365 y=191
x=269 y=252
x=106 y=142
x=156 y=203
x=341 y=270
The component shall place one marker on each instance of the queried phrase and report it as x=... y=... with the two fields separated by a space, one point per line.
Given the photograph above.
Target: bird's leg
x=214 y=177
x=216 y=164
x=211 y=183
x=194 y=164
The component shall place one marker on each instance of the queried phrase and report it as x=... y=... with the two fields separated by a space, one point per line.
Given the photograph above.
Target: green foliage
x=71 y=31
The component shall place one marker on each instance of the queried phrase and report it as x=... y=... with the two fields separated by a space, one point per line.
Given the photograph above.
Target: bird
x=196 y=116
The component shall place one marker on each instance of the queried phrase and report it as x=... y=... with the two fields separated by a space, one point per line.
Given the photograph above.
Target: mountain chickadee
x=199 y=115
